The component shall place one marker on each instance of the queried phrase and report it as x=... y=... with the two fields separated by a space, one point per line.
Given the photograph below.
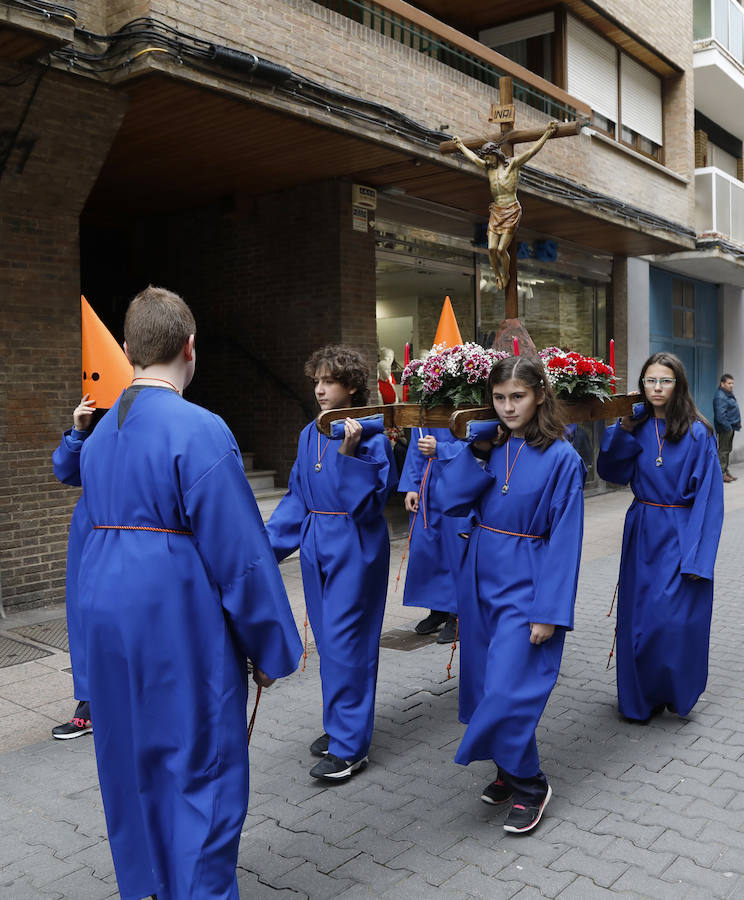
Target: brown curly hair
x=548 y=424
x=346 y=365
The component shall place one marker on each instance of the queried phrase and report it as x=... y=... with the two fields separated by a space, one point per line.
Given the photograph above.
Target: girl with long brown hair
x=667 y=453
x=526 y=487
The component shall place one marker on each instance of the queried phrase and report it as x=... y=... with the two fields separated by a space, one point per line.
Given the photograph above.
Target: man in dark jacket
x=727 y=420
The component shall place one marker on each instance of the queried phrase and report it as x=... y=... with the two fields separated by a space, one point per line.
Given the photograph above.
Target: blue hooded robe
x=663 y=616
x=335 y=516
x=436 y=550
x=66 y=463
x=510 y=580
x=170 y=620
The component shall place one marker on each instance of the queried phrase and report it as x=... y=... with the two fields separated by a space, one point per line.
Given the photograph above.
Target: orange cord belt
x=535 y=537
x=325 y=512
x=665 y=505
x=140 y=528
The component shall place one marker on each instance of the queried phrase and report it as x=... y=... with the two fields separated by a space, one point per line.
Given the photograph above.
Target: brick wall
x=40 y=201
x=315 y=42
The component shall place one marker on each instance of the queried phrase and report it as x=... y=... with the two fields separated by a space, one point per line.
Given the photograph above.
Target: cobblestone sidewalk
x=638 y=812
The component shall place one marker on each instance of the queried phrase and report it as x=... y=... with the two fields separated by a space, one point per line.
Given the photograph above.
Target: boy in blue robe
x=178 y=589
x=334 y=513
x=66 y=463
x=436 y=548
x=665 y=595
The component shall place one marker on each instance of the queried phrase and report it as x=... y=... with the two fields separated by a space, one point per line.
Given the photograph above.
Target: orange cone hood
x=106 y=370
x=447 y=331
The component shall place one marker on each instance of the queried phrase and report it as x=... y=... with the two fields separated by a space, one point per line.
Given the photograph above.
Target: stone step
x=248 y=461
x=261 y=479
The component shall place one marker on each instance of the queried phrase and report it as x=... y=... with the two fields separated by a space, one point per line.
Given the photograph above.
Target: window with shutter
x=591 y=72
x=640 y=91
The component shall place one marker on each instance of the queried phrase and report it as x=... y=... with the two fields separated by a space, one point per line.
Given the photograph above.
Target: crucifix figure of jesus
x=505 y=211
x=494 y=152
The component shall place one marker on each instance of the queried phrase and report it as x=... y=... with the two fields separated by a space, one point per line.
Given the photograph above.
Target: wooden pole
x=511 y=307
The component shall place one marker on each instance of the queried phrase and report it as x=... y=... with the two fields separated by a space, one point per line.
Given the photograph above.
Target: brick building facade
x=150 y=157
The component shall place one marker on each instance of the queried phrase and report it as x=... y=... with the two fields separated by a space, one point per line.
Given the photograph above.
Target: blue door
x=684 y=321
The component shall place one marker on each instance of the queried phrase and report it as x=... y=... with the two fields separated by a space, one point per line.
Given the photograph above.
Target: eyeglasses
x=664 y=382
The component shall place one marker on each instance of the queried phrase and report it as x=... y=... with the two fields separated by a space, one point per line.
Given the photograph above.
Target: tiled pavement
x=652 y=812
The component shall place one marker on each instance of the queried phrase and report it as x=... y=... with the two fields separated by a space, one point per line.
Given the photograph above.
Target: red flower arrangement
x=575 y=376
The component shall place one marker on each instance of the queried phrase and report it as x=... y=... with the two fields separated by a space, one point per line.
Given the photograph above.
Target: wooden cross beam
x=411 y=415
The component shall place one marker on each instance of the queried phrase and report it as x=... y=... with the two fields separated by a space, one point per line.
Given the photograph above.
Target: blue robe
x=344 y=560
x=663 y=617
x=511 y=581
x=66 y=463
x=436 y=550
x=170 y=620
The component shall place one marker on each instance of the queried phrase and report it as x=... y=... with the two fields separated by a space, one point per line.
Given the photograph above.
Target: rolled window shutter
x=531 y=27
x=591 y=69
x=641 y=93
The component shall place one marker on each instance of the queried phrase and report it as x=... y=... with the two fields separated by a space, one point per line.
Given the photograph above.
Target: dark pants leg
x=527 y=791
x=83 y=710
x=725 y=443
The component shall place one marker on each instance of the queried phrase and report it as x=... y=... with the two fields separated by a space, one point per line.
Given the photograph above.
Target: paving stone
x=639 y=834
x=602 y=871
x=490 y=860
x=653 y=860
x=81 y=885
x=548 y=880
x=250 y=888
x=313 y=848
x=700 y=851
x=583 y=889
x=307 y=879
x=472 y=882
x=636 y=881
x=433 y=869
x=380 y=847
x=415 y=888
x=363 y=869
x=718 y=883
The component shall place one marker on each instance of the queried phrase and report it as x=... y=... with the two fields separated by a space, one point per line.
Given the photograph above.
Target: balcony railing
x=723 y=21
x=719 y=204
x=427 y=35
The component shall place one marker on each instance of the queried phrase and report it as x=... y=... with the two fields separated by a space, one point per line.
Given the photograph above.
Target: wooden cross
x=503 y=116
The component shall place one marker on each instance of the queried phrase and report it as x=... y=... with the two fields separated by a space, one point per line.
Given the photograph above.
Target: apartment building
x=684 y=287
x=277 y=162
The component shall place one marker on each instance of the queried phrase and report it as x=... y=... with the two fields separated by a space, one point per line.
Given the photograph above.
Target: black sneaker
x=72 y=729
x=319 y=746
x=496 y=793
x=522 y=819
x=449 y=633
x=433 y=622
x=333 y=768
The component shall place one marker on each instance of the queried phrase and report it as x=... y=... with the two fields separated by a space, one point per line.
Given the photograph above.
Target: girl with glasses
x=516 y=602
x=667 y=453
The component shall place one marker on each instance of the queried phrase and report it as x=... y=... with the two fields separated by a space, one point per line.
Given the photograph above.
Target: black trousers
x=527 y=791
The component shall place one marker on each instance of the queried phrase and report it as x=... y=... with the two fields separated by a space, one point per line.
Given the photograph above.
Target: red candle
x=406 y=360
x=516 y=347
x=612 y=362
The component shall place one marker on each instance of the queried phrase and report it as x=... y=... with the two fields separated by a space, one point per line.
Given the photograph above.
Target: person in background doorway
x=727 y=420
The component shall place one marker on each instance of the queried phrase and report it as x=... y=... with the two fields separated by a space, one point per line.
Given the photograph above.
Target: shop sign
x=359 y=218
